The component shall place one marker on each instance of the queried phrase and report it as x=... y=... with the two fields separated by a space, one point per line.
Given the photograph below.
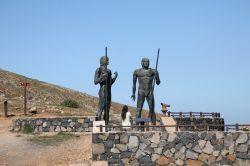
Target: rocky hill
x=47 y=98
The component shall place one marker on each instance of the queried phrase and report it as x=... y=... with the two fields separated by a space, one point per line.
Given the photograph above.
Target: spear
x=156 y=66
x=106 y=91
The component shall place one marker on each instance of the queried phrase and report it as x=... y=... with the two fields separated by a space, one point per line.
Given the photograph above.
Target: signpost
x=25 y=85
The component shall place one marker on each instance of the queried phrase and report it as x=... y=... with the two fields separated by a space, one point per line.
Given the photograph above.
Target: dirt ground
x=17 y=150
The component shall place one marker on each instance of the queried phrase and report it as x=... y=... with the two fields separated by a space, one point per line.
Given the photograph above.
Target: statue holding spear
x=147 y=78
x=103 y=77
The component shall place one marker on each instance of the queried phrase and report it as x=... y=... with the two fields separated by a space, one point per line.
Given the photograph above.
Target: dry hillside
x=47 y=98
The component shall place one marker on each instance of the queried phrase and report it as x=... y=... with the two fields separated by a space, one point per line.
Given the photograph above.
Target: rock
x=148 y=150
x=219 y=158
x=172 y=164
x=153 y=145
x=125 y=162
x=122 y=147
x=103 y=137
x=63 y=129
x=80 y=121
x=114 y=150
x=109 y=144
x=172 y=150
x=155 y=157
x=58 y=129
x=208 y=148
x=33 y=109
x=240 y=162
x=243 y=156
x=158 y=150
x=134 y=163
x=224 y=152
x=139 y=154
x=98 y=148
x=133 y=142
x=228 y=140
x=242 y=139
x=39 y=122
x=216 y=153
x=117 y=136
x=51 y=128
x=211 y=159
x=231 y=149
x=167 y=153
x=191 y=155
x=176 y=155
x=193 y=163
x=231 y=157
x=80 y=129
x=44 y=124
x=124 y=139
x=126 y=155
x=197 y=149
x=242 y=148
x=171 y=137
x=156 y=138
x=189 y=146
x=183 y=149
x=69 y=129
x=219 y=135
x=142 y=146
x=203 y=157
x=179 y=162
x=162 y=160
x=72 y=124
x=201 y=143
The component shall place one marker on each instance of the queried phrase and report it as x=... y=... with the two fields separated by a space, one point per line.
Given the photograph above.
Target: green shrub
x=53 y=139
x=70 y=103
x=27 y=128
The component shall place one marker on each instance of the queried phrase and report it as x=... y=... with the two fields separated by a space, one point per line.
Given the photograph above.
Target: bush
x=70 y=103
x=27 y=129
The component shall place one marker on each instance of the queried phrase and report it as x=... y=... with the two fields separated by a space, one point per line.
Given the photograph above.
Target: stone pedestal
x=169 y=121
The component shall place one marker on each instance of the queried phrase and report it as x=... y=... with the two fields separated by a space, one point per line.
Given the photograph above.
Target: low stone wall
x=162 y=148
x=55 y=124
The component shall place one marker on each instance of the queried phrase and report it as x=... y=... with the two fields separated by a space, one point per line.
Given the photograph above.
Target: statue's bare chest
x=145 y=73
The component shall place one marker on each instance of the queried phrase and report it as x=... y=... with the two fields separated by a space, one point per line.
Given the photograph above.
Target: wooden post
x=237 y=127
x=180 y=115
x=25 y=98
x=169 y=114
x=190 y=114
x=176 y=127
x=200 y=114
x=101 y=128
x=6 y=108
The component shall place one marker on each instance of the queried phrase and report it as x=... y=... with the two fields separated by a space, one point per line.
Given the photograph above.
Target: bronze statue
x=103 y=76
x=146 y=77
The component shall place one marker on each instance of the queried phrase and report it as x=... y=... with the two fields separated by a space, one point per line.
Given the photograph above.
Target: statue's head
x=145 y=62
x=103 y=61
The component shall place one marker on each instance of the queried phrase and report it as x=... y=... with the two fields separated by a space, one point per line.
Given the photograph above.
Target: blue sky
x=205 y=48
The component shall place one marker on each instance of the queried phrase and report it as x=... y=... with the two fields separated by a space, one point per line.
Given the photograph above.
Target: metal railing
x=194 y=114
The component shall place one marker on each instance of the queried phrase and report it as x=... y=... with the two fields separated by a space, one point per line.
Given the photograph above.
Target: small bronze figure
x=146 y=77
x=103 y=76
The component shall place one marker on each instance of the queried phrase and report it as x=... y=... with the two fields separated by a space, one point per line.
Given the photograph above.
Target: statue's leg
x=151 y=106
x=108 y=108
x=100 y=105
x=140 y=102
